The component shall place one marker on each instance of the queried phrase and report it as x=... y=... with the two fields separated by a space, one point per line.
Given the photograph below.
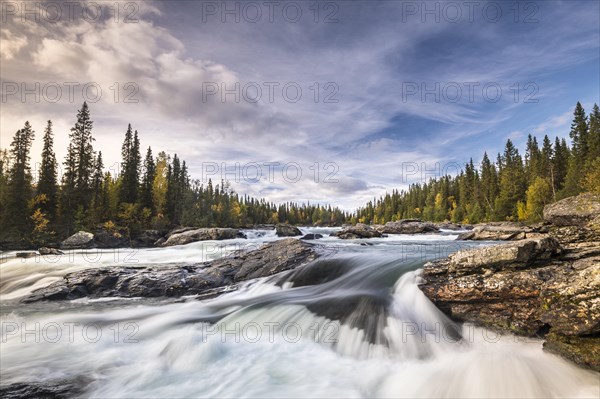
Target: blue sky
x=370 y=60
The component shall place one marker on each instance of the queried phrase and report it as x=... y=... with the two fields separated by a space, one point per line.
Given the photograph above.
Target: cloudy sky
x=331 y=102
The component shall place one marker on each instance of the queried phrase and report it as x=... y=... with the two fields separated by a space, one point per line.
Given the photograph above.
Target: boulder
x=573 y=211
x=360 y=230
x=452 y=226
x=50 y=251
x=79 y=240
x=285 y=230
x=175 y=280
x=213 y=233
x=147 y=238
x=111 y=239
x=311 y=236
x=408 y=226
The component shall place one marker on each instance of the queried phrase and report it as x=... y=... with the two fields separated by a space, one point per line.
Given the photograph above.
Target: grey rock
x=176 y=280
x=285 y=230
x=192 y=235
x=408 y=226
x=79 y=240
x=25 y=255
x=573 y=211
x=311 y=236
x=360 y=230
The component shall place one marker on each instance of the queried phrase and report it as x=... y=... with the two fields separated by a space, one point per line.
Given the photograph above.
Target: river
x=365 y=330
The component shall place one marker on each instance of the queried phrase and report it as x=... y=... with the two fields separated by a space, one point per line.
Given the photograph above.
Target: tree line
x=153 y=192
x=511 y=188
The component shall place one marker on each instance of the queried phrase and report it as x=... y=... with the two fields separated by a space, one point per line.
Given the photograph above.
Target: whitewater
x=352 y=323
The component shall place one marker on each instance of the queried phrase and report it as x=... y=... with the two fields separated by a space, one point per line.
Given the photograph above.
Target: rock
x=360 y=230
x=110 y=239
x=79 y=240
x=408 y=226
x=50 y=251
x=53 y=389
x=25 y=255
x=175 y=280
x=147 y=238
x=582 y=350
x=285 y=230
x=501 y=231
x=187 y=236
x=311 y=236
x=452 y=226
x=530 y=287
x=573 y=211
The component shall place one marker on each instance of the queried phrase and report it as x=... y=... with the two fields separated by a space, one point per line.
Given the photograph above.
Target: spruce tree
x=579 y=149
x=147 y=194
x=47 y=183
x=594 y=134
x=16 y=222
x=129 y=167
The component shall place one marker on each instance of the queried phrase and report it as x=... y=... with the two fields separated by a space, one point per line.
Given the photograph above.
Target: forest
x=157 y=192
x=513 y=187
x=150 y=192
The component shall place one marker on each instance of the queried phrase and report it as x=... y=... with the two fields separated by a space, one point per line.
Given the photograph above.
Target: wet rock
x=79 y=240
x=285 y=230
x=50 y=251
x=54 y=389
x=360 y=230
x=110 y=239
x=311 y=236
x=453 y=226
x=25 y=255
x=408 y=226
x=176 y=280
x=186 y=235
x=582 y=350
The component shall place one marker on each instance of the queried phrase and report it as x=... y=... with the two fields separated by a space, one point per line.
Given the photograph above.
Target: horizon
x=382 y=73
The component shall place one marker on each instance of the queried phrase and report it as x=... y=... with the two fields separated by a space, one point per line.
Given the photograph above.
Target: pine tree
x=512 y=182
x=47 y=183
x=16 y=221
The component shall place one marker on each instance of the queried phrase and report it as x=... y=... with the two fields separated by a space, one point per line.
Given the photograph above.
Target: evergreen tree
x=47 y=182
x=147 y=194
x=16 y=221
x=594 y=134
x=579 y=140
x=512 y=182
x=130 y=167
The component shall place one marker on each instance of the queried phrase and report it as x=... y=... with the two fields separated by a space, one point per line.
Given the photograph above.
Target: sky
x=329 y=102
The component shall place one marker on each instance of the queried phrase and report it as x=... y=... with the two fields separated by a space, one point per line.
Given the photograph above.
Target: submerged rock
x=176 y=280
x=547 y=286
x=188 y=235
x=79 y=240
x=25 y=255
x=285 y=230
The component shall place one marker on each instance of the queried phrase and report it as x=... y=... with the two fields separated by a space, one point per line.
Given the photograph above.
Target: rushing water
x=351 y=324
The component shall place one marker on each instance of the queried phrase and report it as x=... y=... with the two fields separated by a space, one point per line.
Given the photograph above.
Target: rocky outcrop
x=453 y=226
x=573 y=211
x=548 y=286
x=360 y=230
x=407 y=226
x=500 y=231
x=176 y=280
x=79 y=240
x=188 y=235
x=285 y=230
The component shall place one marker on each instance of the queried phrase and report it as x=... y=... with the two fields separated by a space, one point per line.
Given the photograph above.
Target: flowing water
x=353 y=323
